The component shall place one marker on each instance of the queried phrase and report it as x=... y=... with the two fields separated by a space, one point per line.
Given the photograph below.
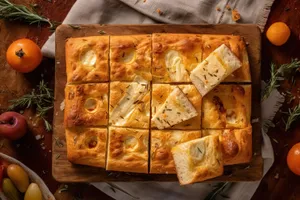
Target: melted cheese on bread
x=214 y=69
x=176 y=109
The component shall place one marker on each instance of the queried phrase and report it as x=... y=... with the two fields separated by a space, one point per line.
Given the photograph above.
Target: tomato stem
x=20 y=53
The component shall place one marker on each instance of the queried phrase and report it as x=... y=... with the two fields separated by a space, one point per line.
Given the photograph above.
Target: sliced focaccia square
x=214 y=69
x=86 y=146
x=87 y=59
x=160 y=93
x=86 y=105
x=198 y=160
x=162 y=141
x=129 y=104
x=130 y=55
x=174 y=56
x=237 y=45
x=127 y=150
x=227 y=106
x=236 y=144
x=176 y=109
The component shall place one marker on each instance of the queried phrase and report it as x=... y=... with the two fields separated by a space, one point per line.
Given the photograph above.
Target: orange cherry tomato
x=24 y=55
x=278 y=33
x=293 y=159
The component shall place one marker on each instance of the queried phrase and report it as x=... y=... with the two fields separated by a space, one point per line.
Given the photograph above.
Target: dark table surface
x=279 y=182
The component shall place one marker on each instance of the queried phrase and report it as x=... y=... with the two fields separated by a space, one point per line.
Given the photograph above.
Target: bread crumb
x=159 y=11
x=145 y=1
x=218 y=9
x=276 y=176
x=62 y=105
x=235 y=15
x=228 y=7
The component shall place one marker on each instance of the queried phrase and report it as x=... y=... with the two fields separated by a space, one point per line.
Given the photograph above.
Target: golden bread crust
x=227 y=106
x=86 y=146
x=130 y=56
x=237 y=46
x=87 y=59
x=236 y=144
x=208 y=163
x=160 y=93
x=140 y=116
x=162 y=141
x=86 y=105
x=127 y=150
x=188 y=46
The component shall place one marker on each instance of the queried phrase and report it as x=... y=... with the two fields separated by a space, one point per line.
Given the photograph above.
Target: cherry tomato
x=24 y=55
x=293 y=159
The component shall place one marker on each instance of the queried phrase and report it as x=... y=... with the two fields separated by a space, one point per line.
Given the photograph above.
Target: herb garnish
x=11 y=11
x=199 y=149
x=40 y=98
x=294 y=114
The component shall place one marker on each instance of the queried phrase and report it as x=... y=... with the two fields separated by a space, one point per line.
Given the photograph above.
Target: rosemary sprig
x=294 y=114
x=217 y=191
x=277 y=75
x=11 y=11
x=40 y=98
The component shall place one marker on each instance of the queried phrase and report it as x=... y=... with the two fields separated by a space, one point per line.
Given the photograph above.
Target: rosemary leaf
x=40 y=98
x=114 y=186
x=101 y=32
x=278 y=75
x=294 y=114
x=218 y=189
x=11 y=11
x=74 y=26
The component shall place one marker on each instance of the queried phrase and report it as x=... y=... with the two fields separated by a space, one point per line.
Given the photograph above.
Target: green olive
x=10 y=190
x=33 y=192
x=18 y=176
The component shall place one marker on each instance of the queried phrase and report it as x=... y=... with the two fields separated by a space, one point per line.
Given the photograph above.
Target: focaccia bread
x=162 y=141
x=87 y=59
x=130 y=55
x=86 y=146
x=237 y=45
x=174 y=56
x=176 y=109
x=129 y=104
x=127 y=150
x=236 y=144
x=198 y=160
x=214 y=69
x=160 y=93
x=86 y=105
x=227 y=106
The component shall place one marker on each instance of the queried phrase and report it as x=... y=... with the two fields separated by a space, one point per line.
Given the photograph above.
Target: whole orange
x=293 y=159
x=278 y=33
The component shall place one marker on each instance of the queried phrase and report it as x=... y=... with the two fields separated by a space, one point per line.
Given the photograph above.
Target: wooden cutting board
x=64 y=171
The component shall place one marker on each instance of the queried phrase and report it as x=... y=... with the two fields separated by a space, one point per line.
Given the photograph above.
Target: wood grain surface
x=279 y=183
x=64 y=171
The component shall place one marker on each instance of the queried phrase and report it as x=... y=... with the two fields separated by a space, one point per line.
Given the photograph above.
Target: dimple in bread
x=162 y=141
x=198 y=160
x=174 y=56
x=87 y=59
x=86 y=146
x=227 y=106
x=160 y=92
x=130 y=56
x=127 y=150
x=86 y=105
x=236 y=144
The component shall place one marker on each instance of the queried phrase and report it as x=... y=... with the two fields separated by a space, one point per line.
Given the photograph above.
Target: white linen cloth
x=176 y=12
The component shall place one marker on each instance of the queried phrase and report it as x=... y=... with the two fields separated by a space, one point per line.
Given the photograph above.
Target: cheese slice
x=125 y=107
x=175 y=67
x=214 y=69
x=177 y=108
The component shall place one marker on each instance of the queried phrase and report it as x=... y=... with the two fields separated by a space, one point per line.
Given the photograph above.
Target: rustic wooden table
x=279 y=183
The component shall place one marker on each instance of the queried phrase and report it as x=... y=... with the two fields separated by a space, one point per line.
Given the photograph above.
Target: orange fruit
x=293 y=159
x=278 y=33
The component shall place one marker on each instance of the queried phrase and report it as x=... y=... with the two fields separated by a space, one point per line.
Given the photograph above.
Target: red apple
x=12 y=125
